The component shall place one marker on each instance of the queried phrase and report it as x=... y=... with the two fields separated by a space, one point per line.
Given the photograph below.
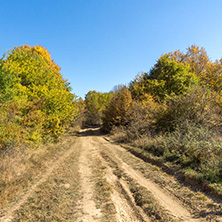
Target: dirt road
x=96 y=180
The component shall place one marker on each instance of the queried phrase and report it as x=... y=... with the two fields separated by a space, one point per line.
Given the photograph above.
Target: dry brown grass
x=55 y=199
x=199 y=204
x=102 y=194
x=119 y=134
x=20 y=168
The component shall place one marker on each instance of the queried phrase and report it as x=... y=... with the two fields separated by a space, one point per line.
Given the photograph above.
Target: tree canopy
x=31 y=81
x=167 y=78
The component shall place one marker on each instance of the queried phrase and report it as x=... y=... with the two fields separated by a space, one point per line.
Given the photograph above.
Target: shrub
x=11 y=131
x=117 y=111
x=195 y=147
x=141 y=117
x=198 y=106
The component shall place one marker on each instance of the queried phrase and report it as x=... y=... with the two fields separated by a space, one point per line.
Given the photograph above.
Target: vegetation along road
x=97 y=180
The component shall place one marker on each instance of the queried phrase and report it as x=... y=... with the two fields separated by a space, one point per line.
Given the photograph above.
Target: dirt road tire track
x=24 y=197
x=125 y=209
x=166 y=200
x=89 y=210
x=105 y=180
x=122 y=199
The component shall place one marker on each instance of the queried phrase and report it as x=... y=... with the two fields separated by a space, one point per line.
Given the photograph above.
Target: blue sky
x=103 y=43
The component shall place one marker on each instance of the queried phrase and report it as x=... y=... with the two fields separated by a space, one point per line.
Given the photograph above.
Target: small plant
x=194 y=147
x=199 y=106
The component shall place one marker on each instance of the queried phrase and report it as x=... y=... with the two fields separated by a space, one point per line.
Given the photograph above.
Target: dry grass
x=194 y=152
x=102 y=194
x=56 y=199
x=199 y=204
x=19 y=169
x=119 y=134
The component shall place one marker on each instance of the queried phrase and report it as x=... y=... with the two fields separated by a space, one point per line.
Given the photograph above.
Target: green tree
x=95 y=103
x=32 y=81
x=117 y=111
x=200 y=64
x=137 y=87
x=167 y=78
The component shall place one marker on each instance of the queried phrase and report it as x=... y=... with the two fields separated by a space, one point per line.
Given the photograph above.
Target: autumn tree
x=200 y=64
x=167 y=78
x=95 y=103
x=116 y=112
x=31 y=81
x=137 y=87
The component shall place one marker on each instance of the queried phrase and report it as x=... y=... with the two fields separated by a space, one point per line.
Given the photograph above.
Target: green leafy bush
x=198 y=106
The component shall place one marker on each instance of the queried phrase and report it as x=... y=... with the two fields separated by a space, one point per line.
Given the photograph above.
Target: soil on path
x=96 y=180
x=86 y=204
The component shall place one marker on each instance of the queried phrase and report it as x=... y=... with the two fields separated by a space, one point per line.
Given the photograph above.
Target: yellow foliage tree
x=30 y=79
x=207 y=71
x=116 y=112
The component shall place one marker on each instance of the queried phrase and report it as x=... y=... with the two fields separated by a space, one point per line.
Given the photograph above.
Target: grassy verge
x=20 y=169
x=192 y=153
x=184 y=175
x=56 y=199
x=148 y=164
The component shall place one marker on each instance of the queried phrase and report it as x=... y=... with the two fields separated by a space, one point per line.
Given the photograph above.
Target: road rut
x=96 y=180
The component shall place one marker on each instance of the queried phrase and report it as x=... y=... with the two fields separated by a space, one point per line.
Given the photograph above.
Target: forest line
x=172 y=111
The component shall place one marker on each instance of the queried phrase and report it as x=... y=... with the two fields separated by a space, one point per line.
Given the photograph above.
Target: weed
x=56 y=199
x=102 y=194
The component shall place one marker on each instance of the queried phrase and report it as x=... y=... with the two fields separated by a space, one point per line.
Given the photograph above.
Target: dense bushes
x=116 y=112
x=196 y=148
x=174 y=112
x=36 y=102
x=198 y=106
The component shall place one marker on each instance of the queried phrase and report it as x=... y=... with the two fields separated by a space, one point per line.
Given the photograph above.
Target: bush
x=198 y=106
x=141 y=118
x=11 y=132
x=117 y=111
x=195 y=147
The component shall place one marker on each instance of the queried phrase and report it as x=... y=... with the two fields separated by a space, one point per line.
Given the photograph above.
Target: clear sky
x=103 y=43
